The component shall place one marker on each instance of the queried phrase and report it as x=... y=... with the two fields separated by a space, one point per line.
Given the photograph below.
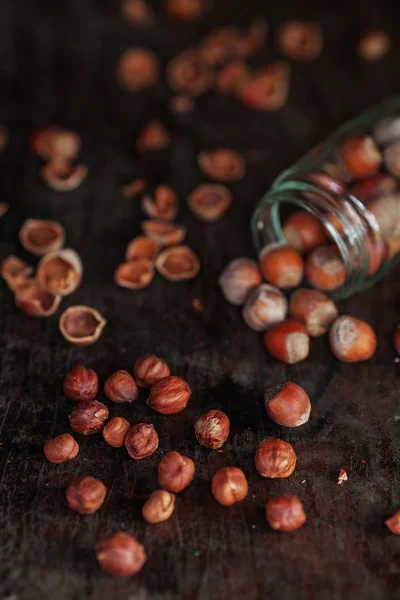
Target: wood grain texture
x=205 y=551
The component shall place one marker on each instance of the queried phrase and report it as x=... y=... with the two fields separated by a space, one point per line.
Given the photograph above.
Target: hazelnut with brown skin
x=137 y=69
x=394 y=523
x=314 y=310
x=238 y=279
x=121 y=387
x=287 y=404
x=285 y=513
x=81 y=384
x=161 y=204
x=115 y=431
x=288 y=341
x=175 y=472
x=275 y=459
x=61 y=448
x=148 y=369
x=212 y=429
x=88 y=417
x=120 y=554
x=300 y=40
x=136 y=274
x=86 y=495
x=265 y=306
x=352 y=340
x=281 y=265
x=229 y=485
x=141 y=440
x=169 y=395
x=159 y=507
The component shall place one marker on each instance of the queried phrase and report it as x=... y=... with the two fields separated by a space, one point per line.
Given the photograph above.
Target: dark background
x=57 y=66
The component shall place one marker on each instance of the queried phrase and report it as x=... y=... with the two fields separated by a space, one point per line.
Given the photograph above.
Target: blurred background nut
x=141 y=440
x=161 y=204
x=175 y=472
x=275 y=459
x=121 y=387
x=40 y=237
x=164 y=232
x=303 y=231
x=188 y=74
x=153 y=137
x=169 y=395
x=81 y=383
x=88 y=417
x=159 y=507
x=285 y=513
x=265 y=306
x=287 y=404
x=120 y=554
x=148 y=369
x=210 y=201
x=212 y=429
x=238 y=279
x=61 y=448
x=229 y=485
x=393 y=524
x=300 y=40
x=115 y=430
x=85 y=495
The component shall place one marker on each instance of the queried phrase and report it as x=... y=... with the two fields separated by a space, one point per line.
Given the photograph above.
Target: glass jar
x=322 y=184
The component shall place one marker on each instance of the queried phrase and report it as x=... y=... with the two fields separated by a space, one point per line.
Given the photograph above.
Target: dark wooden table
x=204 y=551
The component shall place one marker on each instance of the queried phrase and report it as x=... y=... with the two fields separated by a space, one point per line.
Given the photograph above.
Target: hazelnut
x=148 y=369
x=265 y=306
x=40 y=237
x=137 y=12
x=267 y=89
x=300 y=40
x=210 y=201
x=275 y=459
x=373 y=45
x=133 y=189
x=374 y=186
x=287 y=404
x=387 y=130
x=324 y=269
x=80 y=384
x=135 y=274
x=15 y=271
x=63 y=176
x=60 y=272
x=188 y=74
x=361 y=156
x=164 y=233
x=303 y=231
x=152 y=138
x=223 y=44
x=88 y=417
x=396 y=339
x=394 y=523
x=56 y=143
x=285 y=513
x=188 y=11
x=169 y=395
x=61 y=448
x=391 y=158
x=137 y=69
x=162 y=204
x=288 y=341
x=142 y=247
x=115 y=430
x=342 y=477
x=329 y=183
x=238 y=279
x=232 y=77
x=229 y=485
x=212 y=429
x=141 y=440
x=81 y=325
x=351 y=339
x=121 y=387
x=120 y=554
x=386 y=210
x=281 y=265
x=159 y=507
x=86 y=495
x=175 y=472
x=179 y=263
x=222 y=165
x=33 y=300
x=314 y=310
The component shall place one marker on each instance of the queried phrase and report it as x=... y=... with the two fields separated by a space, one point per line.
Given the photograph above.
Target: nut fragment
x=210 y=201
x=169 y=395
x=188 y=11
x=265 y=306
x=81 y=325
x=287 y=404
x=141 y=440
x=40 y=237
x=35 y=301
x=121 y=387
x=135 y=274
x=120 y=554
x=351 y=339
x=86 y=495
x=212 y=429
x=134 y=188
x=115 y=430
x=81 y=384
x=238 y=279
x=373 y=45
x=164 y=233
x=148 y=369
x=229 y=485
x=153 y=137
x=275 y=459
x=60 y=272
x=162 y=204
x=53 y=143
x=4 y=206
x=159 y=507
x=324 y=269
x=63 y=176
x=314 y=310
x=281 y=265
x=137 y=69
x=175 y=472
x=300 y=40
x=222 y=165
x=288 y=341
x=393 y=524
x=88 y=417
x=61 y=448
x=188 y=74
x=142 y=247
x=15 y=271
x=285 y=513
x=179 y=263
x=342 y=477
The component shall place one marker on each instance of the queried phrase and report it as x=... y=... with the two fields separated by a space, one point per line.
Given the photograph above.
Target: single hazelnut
x=115 y=430
x=267 y=89
x=387 y=130
x=164 y=233
x=141 y=440
x=391 y=158
x=169 y=395
x=223 y=44
x=222 y=165
x=303 y=231
x=188 y=11
x=88 y=417
x=396 y=339
x=314 y=310
x=361 y=156
x=159 y=507
x=300 y=40
x=62 y=176
x=40 y=237
x=61 y=448
x=265 y=306
x=175 y=472
x=137 y=69
x=33 y=300
x=142 y=247
x=53 y=143
x=288 y=341
x=148 y=369
x=229 y=485
x=275 y=459
x=329 y=183
x=281 y=265
x=238 y=279
x=120 y=554
x=212 y=429
x=373 y=45
x=133 y=188
x=135 y=274
x=376 y=252
x=152 y=138
x=81 y=325
x=386 y=210
x=287 y=404
x=137 y=12
x=161 y=204
x=232 y=77
x=210 y=201
x=394 y=523
x=188 y=74
x=15 y=271
x=80 y=384
x=374 y=186
x=179 y=263
x=338 y=171
x=351 y=339
x=60 y=272
x=285 y=513
x=325 y=269
x=86 y=495
x=121 y=387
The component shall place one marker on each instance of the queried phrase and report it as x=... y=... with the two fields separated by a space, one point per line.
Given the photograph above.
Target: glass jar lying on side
x=350 y=186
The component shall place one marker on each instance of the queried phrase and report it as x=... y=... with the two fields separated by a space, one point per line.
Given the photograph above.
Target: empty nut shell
x=60 y=272
x=86 y=495
x=238 y=279
x=148 y=369
x=164 y=233
x=142 y=247
x=153 y=137
x=281 y=265
x=120 y=554
x=162 y=204
x=275 y=459
x=159 y=507
x=386 y=210
x=285 y=513
x=63 y=176
x=232 y=77
x=135 y=274
x=137 y=69
x=121 y=387
x=61 y=448
x=169 y=395
x=188 y=74
x=179 y=263
x=134 y=188
x=35 y=301
x=222 y=165
x=212 y=429
x=265 y=306
x=175 y=472
x=88 y=417
x=287 y=404
x=81 y=384
x=81 y=325
x=115 y=430
x=266 y=89
x=210 y=201
x=141 y=440
x=324 y=269
x=352 y=340
x=41 y=237
x=229 y=485
x=15 y=271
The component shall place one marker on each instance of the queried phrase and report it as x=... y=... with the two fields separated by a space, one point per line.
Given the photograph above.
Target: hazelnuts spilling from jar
x=148 y=369
x=81 y=384
x=188 y=74
x=169 y=395
x=120 y=554
x=142 y=247
x=61 y=449
x=281 y=265
x=361 y=156
x=121 y=387
x=175 y=472
x=85 y=495
x=115 y=430
x=352 y=340
x=287 y=404
x=238 y=279
x=210 y=201
x=159 y=507
x=314 y=310
x=288 y=341
x=212 y=429
x=141 y=440
x=138 y=69
x=325 y=269
x=285 y=513
x=229 y=485
x=88 y=417
x=275 y=459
